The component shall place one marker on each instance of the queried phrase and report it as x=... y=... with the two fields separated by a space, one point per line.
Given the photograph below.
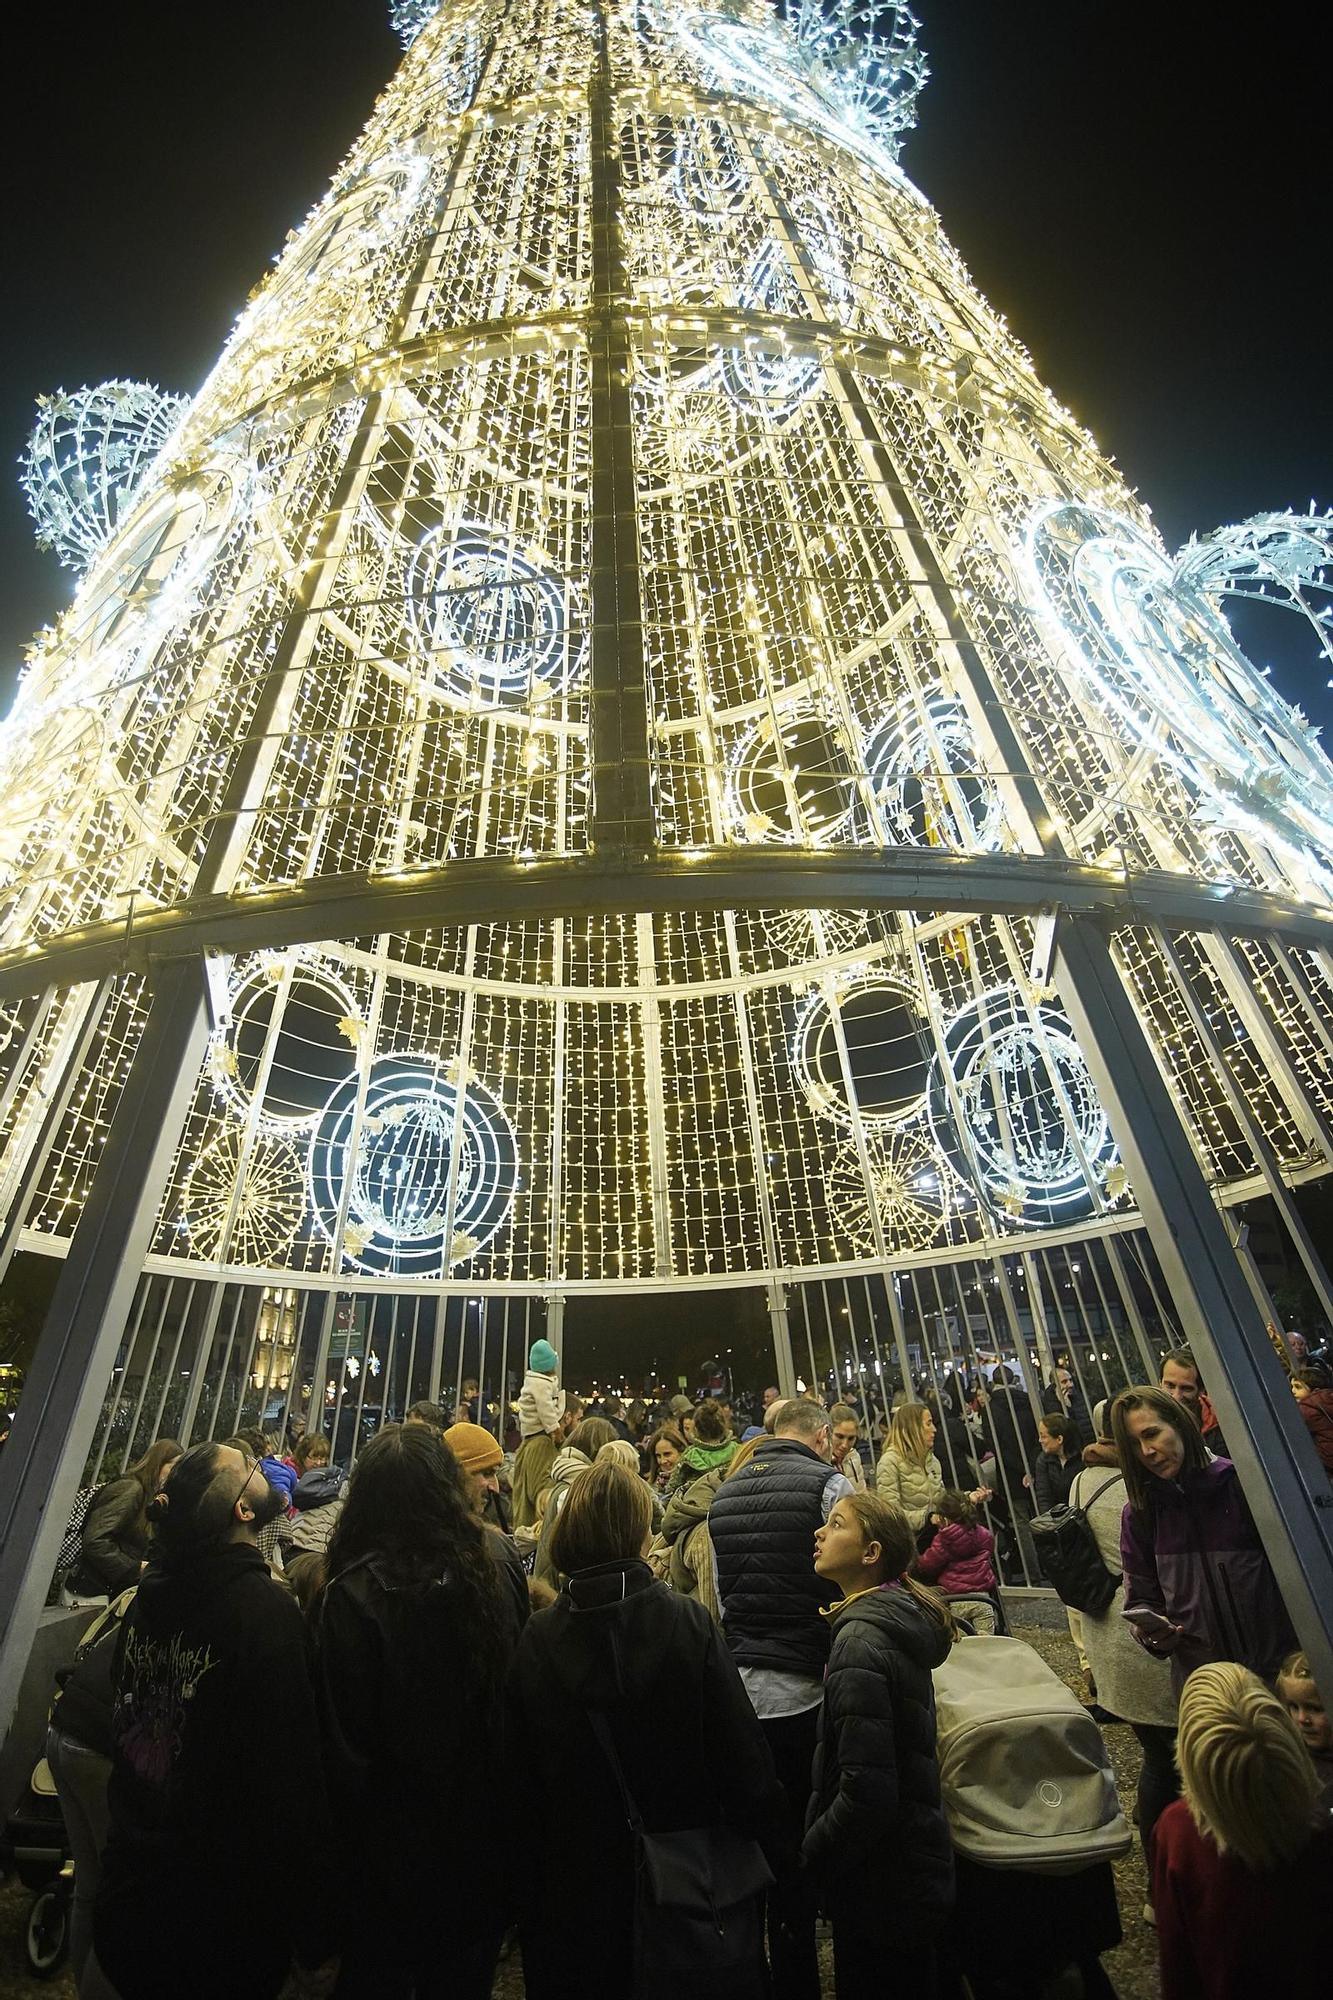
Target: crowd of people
x=655 y=1696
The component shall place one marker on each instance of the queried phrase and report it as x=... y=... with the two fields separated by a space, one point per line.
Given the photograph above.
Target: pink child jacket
x=959 y=1558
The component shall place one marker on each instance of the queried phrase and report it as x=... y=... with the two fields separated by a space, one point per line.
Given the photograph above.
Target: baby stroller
x=1035 y=1822
x=981 y=1611
x=33 y=1844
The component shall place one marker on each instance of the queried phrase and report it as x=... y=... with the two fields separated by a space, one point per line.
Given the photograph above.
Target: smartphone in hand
x=1151 y=1623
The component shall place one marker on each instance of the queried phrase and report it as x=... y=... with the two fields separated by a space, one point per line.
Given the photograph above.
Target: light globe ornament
x=676 y=763
x=86 y=458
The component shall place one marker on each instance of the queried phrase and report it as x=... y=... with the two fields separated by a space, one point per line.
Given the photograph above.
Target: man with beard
x=211 y=1696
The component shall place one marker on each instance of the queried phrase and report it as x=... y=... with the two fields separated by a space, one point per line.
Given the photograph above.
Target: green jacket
x=701 y=1458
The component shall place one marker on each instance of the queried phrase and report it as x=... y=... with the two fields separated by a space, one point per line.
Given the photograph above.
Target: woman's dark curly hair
x=409 y=1513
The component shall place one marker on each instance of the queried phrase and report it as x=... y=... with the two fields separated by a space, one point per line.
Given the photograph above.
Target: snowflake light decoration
x=876 y=75
x=86 y=457
x=1284 y=560
x=835 y=66
x=407 y=18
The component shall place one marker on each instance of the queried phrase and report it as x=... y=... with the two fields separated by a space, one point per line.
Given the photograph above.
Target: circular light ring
x=1019 y=1149
x=397 y=1185
x=262 y=1194
x=885 y=1015
x=911 y=1186
x=791 y=934
x=359 y=222
x=789 y=778
x=491 y=623
x=145 y=578
x=261 y=982
x=928 y=778
x=683 y=430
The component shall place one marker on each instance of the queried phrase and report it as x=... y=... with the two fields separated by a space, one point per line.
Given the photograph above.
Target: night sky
x=1142 y=191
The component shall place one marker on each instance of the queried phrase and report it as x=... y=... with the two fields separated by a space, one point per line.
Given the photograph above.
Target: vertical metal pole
x=1284 y=1482
x=1266 y=1159
x=108 y=1414
x=899 y=1340
x=503 y=1399
x=322 y=1346
x=1125 y=1286
x=53 y=1430
x=781 y=1324
x=622 y=807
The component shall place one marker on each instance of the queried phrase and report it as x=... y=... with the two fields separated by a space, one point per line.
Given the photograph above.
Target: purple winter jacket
x=1196 y=1556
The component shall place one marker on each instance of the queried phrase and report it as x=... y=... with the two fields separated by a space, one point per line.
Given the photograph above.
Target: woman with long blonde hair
x=876 y=1842
x=909 y=1474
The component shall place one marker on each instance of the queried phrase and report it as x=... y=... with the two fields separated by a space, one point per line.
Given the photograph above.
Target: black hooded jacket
x=411 y=1728
x=876 y=1839
x=655 y=1665
x=212 y=1708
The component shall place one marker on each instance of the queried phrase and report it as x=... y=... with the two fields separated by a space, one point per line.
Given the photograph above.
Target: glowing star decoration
x=413 y=1161
x=86 y=458
x=913 y=1191
x=836 y=70
x=243 y=1206
x=1158 y=656
x=1012 y=1104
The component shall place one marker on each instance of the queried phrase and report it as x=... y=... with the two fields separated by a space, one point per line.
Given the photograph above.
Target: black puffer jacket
x=876 y=1840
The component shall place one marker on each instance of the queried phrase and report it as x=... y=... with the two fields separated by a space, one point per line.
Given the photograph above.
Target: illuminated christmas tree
x=617 y=671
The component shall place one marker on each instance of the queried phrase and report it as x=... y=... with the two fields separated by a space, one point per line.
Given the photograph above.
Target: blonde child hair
x=621 y=1452
x=1244 y=1771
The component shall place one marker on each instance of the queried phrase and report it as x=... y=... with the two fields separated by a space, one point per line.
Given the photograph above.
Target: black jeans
x=1159 y=1780
x=791 y=1918
x=369 y=1971
x=864 y=1959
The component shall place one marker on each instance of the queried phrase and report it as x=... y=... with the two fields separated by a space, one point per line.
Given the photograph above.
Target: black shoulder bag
x=697 y=1901
x=1070 y=1559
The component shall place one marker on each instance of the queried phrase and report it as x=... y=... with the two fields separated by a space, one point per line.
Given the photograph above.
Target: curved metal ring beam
x=926 y=882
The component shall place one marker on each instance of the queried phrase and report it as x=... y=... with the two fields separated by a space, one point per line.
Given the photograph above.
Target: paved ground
x=1133 y=1968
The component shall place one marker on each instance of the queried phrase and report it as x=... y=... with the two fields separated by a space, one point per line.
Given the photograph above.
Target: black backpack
x=1070 y=1559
